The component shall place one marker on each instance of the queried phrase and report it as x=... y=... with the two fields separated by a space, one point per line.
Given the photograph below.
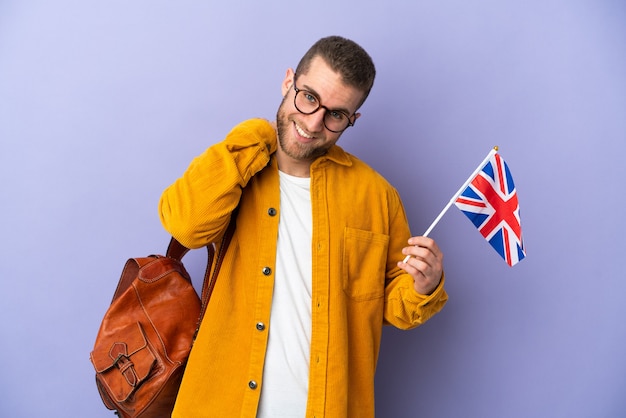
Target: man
x=312 y=273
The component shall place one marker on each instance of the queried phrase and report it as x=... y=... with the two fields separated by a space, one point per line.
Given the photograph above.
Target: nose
x=316 y=120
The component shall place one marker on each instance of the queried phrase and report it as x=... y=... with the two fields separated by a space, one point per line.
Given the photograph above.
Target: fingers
x=424 y=261
x=421 y=262
x=425 y=242
x=422 y=247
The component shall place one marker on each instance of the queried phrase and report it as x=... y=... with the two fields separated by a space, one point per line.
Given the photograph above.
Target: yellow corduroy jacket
x=359 y=229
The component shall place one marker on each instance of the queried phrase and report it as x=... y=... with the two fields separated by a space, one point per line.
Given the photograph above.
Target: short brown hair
x=345 y=57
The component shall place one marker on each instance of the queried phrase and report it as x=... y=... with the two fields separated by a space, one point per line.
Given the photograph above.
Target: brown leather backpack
x=146 y=335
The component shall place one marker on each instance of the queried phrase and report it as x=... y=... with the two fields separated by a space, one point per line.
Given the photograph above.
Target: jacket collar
x=337 y=155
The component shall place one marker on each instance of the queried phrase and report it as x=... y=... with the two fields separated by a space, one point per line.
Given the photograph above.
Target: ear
x=356 y=116
x=288 y=81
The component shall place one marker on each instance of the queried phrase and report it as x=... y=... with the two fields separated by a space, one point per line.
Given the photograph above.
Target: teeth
x=302 y=133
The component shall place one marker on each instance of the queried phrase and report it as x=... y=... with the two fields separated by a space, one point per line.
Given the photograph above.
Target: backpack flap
x=121 y=366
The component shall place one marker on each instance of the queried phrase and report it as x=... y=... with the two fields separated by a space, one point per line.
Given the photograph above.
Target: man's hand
x=425 y=264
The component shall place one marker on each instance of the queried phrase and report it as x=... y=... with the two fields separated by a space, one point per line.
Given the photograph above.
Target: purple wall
x=103 y=104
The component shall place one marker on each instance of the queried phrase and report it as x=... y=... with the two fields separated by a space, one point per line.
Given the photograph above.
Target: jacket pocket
x=364 y=259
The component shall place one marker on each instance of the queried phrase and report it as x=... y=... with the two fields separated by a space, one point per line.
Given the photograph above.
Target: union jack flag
x=490 y=202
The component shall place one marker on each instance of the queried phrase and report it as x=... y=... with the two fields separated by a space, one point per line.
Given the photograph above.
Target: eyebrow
x=337 y=109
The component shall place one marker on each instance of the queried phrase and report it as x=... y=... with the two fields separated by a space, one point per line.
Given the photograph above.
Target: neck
x=292 y=166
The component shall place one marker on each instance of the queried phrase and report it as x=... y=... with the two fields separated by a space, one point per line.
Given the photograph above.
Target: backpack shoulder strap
x=177 y=251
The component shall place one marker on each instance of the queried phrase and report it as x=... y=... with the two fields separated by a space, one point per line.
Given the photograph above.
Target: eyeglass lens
x=307 y=103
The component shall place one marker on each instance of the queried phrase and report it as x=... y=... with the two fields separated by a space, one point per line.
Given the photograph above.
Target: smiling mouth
x=302 y=133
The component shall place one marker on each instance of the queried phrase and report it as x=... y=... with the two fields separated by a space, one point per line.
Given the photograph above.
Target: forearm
x=407 y=302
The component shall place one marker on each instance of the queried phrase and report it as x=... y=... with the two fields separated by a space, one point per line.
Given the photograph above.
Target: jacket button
x=252 y=384
x=271 y=212
x=267 y=271
x=260 y=326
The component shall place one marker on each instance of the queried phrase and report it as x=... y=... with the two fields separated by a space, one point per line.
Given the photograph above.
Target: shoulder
x=365 y=173
x=353 y=174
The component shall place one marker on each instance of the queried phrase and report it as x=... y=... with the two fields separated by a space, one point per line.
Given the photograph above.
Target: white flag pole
x=456 y=195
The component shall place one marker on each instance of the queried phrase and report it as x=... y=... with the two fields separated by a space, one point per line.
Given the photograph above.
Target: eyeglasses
x=307 y=103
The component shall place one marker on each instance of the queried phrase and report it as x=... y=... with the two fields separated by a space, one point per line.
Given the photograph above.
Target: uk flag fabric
x=490 y=202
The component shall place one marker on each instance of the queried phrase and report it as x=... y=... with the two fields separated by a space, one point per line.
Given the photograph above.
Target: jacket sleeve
x=404 y=307
x=196 y=208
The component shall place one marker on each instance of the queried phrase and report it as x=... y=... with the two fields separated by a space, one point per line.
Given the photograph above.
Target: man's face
x=303 y=138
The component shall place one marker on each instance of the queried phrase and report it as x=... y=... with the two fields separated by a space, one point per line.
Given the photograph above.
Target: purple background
x=103 y=104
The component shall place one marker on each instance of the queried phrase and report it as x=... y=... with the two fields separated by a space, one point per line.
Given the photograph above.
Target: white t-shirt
x=285 y=384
